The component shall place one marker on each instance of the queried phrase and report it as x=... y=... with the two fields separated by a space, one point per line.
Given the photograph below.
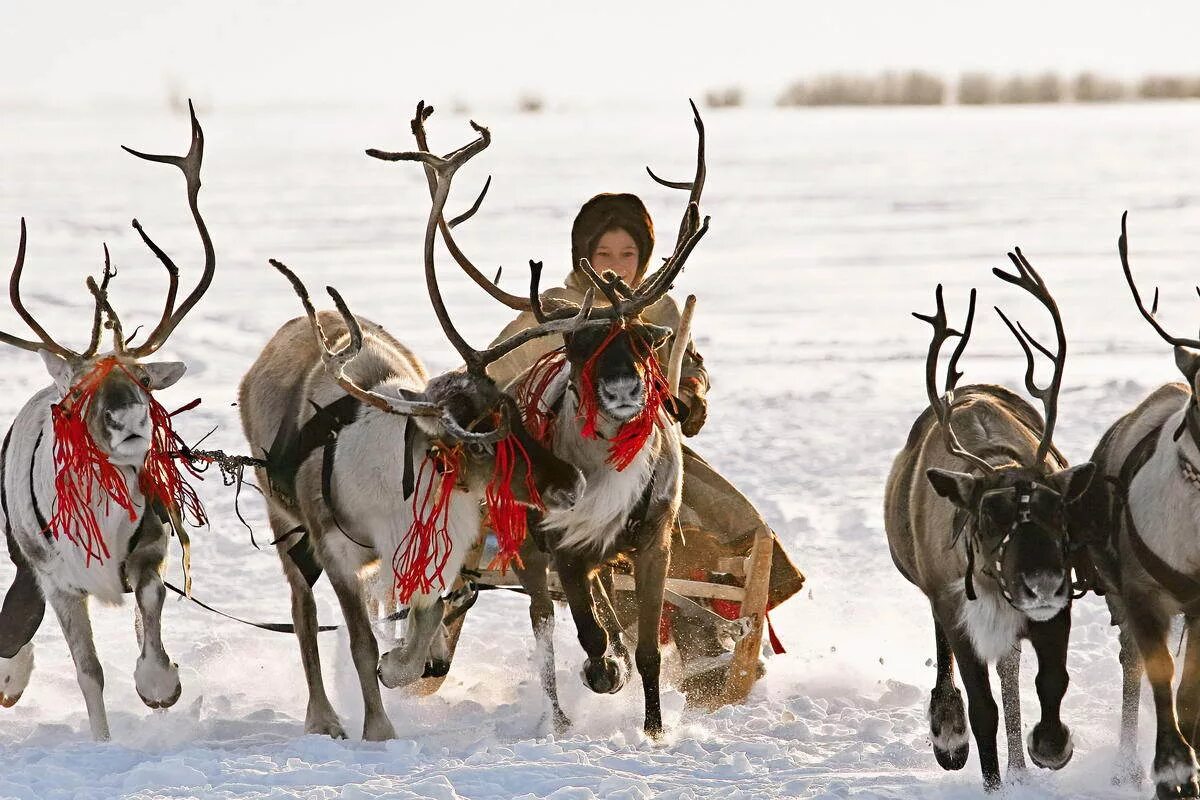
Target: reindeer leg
x=533 y=575
x=981 y=705
x=601 y=672
x=1050 y=744
x=155 y=677
x=72 y=612
x=1009 y=670
x=364 y=650
x=1174 y=761
x=20 y=617
x=319 y=717
x=1129 y=766
x=947 y=714
x=650 y=575
x=604 y=596
x=1188 y=698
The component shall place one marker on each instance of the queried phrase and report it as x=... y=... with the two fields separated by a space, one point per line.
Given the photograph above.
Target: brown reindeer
x=1141 y=522
x=974 y=513
x=342 y=386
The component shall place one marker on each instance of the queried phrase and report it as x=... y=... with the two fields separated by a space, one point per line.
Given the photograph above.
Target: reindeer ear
x=1073 y=482
x=164 y=373
x=657 y=334
x=59 y=370
x=957 y=487
x=1188 y=363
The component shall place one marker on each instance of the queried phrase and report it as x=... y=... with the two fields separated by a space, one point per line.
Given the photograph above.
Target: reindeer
x=1141 y=523
x=342 y=385
x=979 y=480
x=82 y=465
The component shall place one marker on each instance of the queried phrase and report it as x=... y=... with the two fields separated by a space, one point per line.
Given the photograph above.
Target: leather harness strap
x=1184 y=588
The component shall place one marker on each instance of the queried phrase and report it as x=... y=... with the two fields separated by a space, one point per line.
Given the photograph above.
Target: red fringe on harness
x=505 y=515
x=531 y=392
x=419 y=560
x=84 y=476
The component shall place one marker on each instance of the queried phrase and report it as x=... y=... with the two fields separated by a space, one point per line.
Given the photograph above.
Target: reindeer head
x=108 y=393
x=1014 y=513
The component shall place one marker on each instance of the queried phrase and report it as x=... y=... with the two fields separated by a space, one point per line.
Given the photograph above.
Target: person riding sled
x=615 y=232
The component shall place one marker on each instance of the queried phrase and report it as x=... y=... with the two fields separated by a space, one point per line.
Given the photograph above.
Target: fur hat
x=607 y=211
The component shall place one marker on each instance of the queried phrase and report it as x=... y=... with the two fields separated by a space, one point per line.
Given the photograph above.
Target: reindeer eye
x=999 y=506
x=145 y=381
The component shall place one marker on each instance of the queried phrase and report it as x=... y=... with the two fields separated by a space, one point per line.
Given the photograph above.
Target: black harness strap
x=276 y=627
x=1184 y=588
x=37 y=510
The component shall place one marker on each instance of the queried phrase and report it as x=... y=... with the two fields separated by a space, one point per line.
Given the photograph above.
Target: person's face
x=616 y=250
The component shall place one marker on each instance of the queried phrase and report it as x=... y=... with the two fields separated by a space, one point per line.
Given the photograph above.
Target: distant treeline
x=917 y=88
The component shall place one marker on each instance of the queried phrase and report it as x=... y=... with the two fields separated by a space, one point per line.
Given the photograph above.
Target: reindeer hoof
x=437 y=668
x=14 y=675
x=604 y=675
x=1050 y=748
x=158 y=686
x=948 y=729
x=1175 y=771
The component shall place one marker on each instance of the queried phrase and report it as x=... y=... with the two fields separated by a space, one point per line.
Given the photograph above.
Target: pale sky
x=486 y=53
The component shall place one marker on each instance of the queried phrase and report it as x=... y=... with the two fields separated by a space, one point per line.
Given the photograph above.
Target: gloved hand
x=691 y=392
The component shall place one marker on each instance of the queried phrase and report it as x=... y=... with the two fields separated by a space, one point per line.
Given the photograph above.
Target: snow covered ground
x=829 y=227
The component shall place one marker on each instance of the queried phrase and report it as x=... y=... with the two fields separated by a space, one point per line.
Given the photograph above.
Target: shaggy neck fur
x=1166 y=506
x=598 y=518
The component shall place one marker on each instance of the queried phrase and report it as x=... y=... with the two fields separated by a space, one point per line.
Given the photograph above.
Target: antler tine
x=172 y=281
x=1029 y=280
x=610 y=291
x=560 y=326
x=940 y=402
x=470 y=212
x=511 y=300
x=336 y=361
x=189 y=165
x=14 y=296
x=1149 y=316
x=696 y=184
x=101 y=295
x=97 y=319
x=661 y=282
x=535 y=295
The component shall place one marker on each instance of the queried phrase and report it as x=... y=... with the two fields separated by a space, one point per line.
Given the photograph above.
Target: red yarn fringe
x=84 y=477
x=421 y=557
x=538 y=416
x=505 y=515
x=83 y=474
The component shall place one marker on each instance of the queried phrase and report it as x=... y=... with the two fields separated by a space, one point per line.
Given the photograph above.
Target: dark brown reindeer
x=1141 y=521
x=342 y=386
x=87 y=481
x=975 y=517
x=632 y=493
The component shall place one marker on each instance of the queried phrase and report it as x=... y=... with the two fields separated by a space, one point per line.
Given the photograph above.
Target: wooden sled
x=743 y=669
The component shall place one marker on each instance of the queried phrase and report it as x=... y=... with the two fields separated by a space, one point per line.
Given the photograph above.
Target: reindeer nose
x=621 y=392
x=1045 y=584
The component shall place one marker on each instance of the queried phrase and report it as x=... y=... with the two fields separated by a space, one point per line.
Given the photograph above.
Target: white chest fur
x=992 y=625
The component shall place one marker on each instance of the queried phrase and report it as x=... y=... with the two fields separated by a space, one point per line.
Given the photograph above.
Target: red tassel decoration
x=530 y=394
x=421 y=557
x=587 y=384
x=633 y=434
x=83 y=473
x=160 y=479
x=506 y=516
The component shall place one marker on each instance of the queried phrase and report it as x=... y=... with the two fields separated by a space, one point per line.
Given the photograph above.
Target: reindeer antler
x=629 y=303
x=442 y=169
x=1149 y=316
x=336 y=360
x=189 y=165
x=1028 y=279
x=942 y=402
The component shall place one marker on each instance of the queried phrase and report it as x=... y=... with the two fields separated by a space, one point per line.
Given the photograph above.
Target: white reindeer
x=86 y=481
